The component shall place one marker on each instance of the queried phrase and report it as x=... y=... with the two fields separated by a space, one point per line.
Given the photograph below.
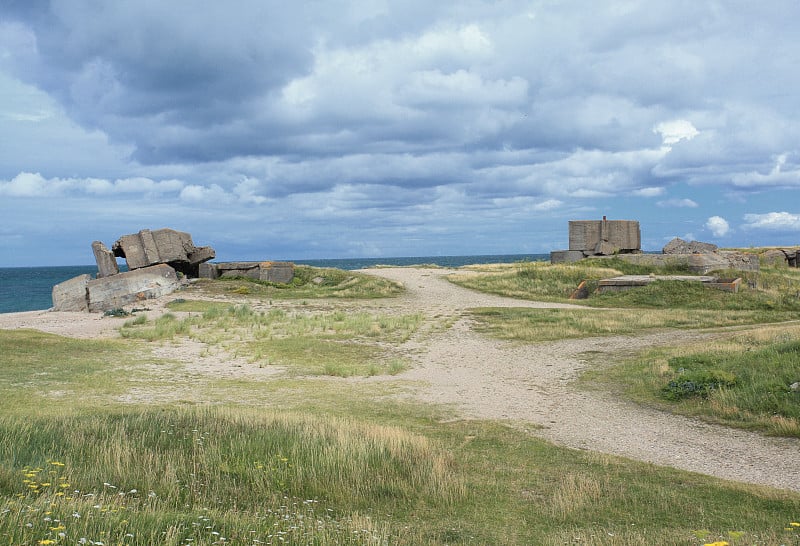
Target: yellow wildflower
x=794 y=524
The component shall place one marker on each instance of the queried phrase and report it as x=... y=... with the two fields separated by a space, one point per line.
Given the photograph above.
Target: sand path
x=492 y=379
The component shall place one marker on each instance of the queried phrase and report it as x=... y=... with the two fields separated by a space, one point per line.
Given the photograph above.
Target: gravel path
x=492 y=379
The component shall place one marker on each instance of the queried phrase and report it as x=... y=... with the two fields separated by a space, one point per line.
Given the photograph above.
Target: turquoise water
x=30 y=288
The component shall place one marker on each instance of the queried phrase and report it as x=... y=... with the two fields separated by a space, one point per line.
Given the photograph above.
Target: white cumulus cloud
x=773 y=221
x=674 y=131
x=718 y=226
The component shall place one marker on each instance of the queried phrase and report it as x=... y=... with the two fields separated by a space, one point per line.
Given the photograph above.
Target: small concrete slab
x=70 y=295
x=626 y=282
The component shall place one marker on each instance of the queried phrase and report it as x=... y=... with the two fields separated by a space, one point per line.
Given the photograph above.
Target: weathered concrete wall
x=604 y=237
x=277 y=272
x=106 y=262
x=71 y=295
x=566 y=256
x=628 y=282
x=133 y=286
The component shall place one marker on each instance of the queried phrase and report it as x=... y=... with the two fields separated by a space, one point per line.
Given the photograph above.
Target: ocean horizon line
x=306 y=260
x=29 y=288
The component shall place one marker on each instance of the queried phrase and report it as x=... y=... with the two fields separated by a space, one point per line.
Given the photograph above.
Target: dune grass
x=773 y=290
x=183 y=476
x=329 y=343
x=176 y=477
x=534 y=325
x=308 y=283
x=742 y=380
x=36 y=367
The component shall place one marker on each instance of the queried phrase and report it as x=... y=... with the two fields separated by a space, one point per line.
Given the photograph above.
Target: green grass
x=743 y=381
x=269 y=457
x=169 y=475
x=333 y=343
x=531 y=280
x=535 y=325
x=774 y=290
x=143 y=473
x=37 y=368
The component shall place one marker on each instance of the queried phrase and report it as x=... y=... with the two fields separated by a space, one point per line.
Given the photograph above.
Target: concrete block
x=208 y=271
x=606 y=248
x=131 y=248
x=162 y=246
x=151 y=250
x=278 y=272
x=584 y=234
x=131 y=287
x=565 y=256
x=623 y=234
x=679 y=246
x=704 y=263
x=238 y=269
x=106 y=262
x=71 y=295
x=172 y=246
x=201 y=254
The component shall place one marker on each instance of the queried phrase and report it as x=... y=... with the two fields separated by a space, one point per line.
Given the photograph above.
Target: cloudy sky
x=373 y=128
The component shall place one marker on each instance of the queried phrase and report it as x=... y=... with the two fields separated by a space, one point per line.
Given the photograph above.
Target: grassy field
x=91 y=453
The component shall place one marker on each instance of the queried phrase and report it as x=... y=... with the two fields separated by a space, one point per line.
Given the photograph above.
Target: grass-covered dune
x=90 y=454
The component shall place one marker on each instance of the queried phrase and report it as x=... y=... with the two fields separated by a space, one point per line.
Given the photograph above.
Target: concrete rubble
x=162 y=246
x=789 y=257
x=156 y=262
x=679 y=246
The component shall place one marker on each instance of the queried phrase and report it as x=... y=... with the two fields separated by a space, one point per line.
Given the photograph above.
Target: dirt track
x=491 y=379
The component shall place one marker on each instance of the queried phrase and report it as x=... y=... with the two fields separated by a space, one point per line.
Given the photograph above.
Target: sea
x=30 y=288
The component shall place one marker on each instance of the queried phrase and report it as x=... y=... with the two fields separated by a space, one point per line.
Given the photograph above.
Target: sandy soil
x=532 y=385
